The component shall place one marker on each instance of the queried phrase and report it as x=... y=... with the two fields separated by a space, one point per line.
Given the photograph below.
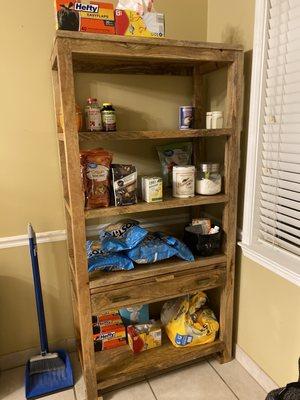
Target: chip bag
x=151 y=250
x=182 y=250
x=123 y=235
x=98 y=259
x=187 y=322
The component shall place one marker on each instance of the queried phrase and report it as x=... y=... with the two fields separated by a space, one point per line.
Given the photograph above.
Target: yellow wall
x=268 y=318
x=30 y=181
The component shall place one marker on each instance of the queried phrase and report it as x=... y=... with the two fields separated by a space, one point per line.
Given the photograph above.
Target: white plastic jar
x=209 y=179
x=217 y=120
x=184 y=181
x=208 y=120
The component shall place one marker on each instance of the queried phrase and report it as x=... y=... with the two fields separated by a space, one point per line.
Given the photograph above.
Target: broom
x=44 y=362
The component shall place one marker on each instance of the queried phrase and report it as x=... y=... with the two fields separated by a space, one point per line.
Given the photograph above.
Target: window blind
x=279 y=207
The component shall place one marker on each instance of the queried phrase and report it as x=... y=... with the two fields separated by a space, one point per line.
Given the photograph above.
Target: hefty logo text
x=86 y=7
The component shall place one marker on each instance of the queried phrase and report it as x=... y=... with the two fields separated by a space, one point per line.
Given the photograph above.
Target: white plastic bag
x=140 y=6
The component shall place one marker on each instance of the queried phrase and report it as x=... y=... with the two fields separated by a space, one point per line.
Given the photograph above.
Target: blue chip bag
x=124 y=235
x=182 y=250
x=102 y=260
x=150 y=250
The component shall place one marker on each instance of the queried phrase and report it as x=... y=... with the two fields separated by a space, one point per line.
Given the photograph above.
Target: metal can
x=186 y=117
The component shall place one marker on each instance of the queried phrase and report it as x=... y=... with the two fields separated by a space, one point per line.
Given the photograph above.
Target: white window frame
x=279 y=261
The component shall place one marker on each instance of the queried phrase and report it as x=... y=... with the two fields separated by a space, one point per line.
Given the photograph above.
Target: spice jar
x=209 y=180
x=108 y=115
x=93 y=115
x=184 y=181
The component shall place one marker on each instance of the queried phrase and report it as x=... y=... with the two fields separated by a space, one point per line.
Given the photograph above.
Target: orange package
x=95 y=169
x=85 y=16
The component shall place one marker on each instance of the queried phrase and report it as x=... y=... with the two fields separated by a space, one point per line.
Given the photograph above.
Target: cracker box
x=85 y=16
x=144 y=337
x=130 y=23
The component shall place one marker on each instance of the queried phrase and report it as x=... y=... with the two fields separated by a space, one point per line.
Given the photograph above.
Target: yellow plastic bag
x=187 y=322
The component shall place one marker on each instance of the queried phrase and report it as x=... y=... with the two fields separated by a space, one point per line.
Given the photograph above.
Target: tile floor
x=207 y=380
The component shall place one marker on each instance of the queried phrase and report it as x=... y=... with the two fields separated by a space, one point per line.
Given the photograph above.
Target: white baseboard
x=92 y=230
x=19 y=358
x=254 y=370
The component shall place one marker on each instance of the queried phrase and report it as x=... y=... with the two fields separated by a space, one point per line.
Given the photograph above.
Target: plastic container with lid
x=184 y=181
x=217 y=120
x=209 y=179
x=108 y=115
x=93 y=115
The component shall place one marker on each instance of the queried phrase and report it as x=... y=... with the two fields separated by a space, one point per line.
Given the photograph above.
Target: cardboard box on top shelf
x=131 y=23
x=85 y=16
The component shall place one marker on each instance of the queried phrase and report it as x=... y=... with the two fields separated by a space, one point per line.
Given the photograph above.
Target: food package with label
x=188 y=322
x=138 y=18
x=108 y=331
x=135 y=315
x=95 y=170
x=152 y=189
x=124 y=181
x=144 y=337
x=85 y=16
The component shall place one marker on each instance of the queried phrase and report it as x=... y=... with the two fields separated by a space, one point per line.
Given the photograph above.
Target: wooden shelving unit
x=77 y=52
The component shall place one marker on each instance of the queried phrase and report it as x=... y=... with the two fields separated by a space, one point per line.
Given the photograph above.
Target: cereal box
x=130 y=23
x=85 y=16
x=144 y=337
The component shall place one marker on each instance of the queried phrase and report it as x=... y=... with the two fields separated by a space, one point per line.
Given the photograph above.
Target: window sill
x=284 y=265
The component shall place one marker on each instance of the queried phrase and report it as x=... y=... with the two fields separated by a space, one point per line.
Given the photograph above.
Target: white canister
x=208 y=120
x=184 y=181
x=217 y=120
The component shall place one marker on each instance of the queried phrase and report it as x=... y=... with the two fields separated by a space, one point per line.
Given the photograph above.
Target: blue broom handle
x=38 y=291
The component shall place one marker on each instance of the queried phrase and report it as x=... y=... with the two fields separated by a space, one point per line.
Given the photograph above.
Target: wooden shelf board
x=102 y=279
x=167 y=203
x=145 y=41
x=137 y=55
x=152 y=135
x=119 y=366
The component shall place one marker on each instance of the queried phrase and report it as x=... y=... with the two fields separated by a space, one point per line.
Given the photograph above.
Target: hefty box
x=130 y=23
x=85 y=16
x=108 y=332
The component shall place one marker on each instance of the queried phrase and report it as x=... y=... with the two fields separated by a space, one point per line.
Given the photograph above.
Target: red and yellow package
x=130 y=23
x=85 y=16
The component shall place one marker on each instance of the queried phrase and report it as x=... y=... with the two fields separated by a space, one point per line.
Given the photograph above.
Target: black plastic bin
x=202 y=245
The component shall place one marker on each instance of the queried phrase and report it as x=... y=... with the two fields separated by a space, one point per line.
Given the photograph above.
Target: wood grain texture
x=75 y=51
x=152 y=135
x=120 y=366
x=233 y=119
x=165 y=287
x=148 y=53
x=100 y=279
x=167 y=203
x=150 y=41
x=76 y=228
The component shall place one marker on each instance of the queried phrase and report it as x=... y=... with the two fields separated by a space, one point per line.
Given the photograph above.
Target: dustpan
x=44 y=383
x=46 y=373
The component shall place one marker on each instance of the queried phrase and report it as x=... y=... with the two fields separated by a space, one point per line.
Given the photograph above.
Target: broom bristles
x=46 y=363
